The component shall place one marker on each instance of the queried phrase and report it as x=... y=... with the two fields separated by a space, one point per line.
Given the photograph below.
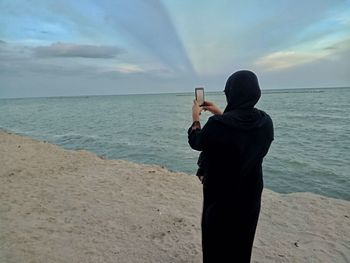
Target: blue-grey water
x=311 y=150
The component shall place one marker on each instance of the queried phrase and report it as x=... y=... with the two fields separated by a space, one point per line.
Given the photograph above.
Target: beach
x=59 y=205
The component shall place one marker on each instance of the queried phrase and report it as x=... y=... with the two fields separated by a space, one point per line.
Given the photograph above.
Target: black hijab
x=242 y=93
x=242 y=90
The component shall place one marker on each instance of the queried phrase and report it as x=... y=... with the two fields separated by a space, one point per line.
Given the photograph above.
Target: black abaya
x=233 y=146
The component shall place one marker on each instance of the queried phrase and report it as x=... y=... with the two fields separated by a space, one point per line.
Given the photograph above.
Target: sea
x=310 y=153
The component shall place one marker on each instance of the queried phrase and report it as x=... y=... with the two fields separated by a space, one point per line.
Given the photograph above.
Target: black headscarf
x=242 y=90
x=242 y=93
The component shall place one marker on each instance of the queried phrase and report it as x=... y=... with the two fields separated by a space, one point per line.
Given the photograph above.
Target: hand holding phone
x=199 y=94
x=210 y=106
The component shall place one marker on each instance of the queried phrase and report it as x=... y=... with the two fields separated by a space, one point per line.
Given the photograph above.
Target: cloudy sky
x=62 y=48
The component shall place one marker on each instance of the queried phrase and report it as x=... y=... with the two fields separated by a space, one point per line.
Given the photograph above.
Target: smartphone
x=199 y=93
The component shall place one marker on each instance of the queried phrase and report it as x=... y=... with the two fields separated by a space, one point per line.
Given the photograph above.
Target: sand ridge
x=60 y=205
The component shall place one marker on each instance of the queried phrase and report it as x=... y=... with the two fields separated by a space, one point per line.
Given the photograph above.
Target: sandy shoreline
x=60 y=205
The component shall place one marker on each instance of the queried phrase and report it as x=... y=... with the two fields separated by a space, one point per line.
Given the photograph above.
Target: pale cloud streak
x=299 y=55
x=122 y=68
x=75 y=50
x=287 y=59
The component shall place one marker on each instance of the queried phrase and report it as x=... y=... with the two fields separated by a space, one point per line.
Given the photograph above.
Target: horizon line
x=175 y=93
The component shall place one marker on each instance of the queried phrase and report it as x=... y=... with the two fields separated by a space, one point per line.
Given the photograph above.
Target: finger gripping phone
x=199 y=93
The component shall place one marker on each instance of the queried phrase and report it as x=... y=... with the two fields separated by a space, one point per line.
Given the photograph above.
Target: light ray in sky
x=148 y=22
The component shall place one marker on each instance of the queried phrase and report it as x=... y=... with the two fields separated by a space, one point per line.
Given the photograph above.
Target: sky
x=100 y=47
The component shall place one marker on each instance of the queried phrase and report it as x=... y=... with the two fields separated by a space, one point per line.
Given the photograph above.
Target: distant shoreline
x=189 y=93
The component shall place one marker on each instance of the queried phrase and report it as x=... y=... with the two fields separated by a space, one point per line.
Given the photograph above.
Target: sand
x=59 y=205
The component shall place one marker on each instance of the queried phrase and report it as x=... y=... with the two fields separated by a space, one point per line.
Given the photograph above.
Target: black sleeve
x=199 y=138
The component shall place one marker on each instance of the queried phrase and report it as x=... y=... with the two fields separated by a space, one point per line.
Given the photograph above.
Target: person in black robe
x=233 y=145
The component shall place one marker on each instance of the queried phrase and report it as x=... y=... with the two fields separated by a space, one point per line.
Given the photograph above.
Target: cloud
x=75 y=50
x=326 y=47
x=17 y=59
x=287 y=59
x=331 y=71
x=2 y=42
x=122 y=68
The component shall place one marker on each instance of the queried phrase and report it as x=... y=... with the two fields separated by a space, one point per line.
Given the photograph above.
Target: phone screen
x=199 y=92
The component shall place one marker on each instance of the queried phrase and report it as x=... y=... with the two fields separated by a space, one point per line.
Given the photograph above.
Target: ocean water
x=311 y=150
